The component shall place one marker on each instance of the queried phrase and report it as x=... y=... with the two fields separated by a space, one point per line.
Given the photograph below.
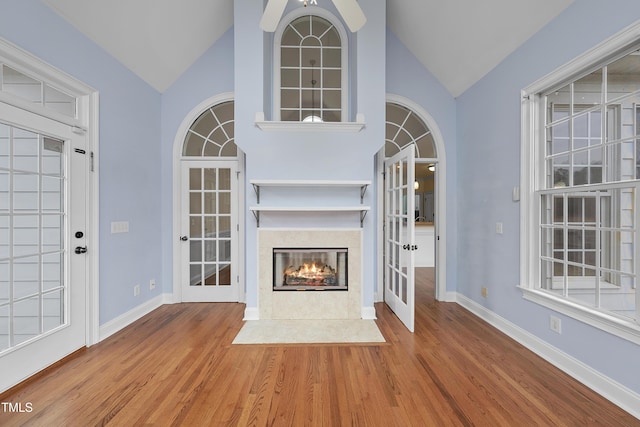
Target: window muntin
x=311 y=71
x=404 y=127
x=212 y=133
x=588 y=188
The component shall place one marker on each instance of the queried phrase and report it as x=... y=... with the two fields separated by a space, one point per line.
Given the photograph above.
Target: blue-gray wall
x=488 y=156
x=481 y=131
x=129 y=154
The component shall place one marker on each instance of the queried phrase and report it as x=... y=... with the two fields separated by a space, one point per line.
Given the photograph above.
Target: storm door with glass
x=210 y=231
x=42 y=243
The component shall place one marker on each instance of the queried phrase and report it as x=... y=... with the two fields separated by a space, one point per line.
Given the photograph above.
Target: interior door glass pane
x=195 y=226
x=195 y=203
x=195 y=277
x=225 y=203
x=196 y=250
x=224 y=275
x=195 y=182
x=210 y=180
x=210 y=226
x=210 y=254
x=209 y=203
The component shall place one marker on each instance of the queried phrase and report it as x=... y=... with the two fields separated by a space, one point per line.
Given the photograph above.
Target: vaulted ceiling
x=458 y=41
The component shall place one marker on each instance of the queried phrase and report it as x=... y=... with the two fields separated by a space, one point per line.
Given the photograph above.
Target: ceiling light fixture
x=349 y=10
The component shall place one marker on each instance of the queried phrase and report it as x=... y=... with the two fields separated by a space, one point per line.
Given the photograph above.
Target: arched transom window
x=212 y=133
x=404 y=127
x=311 y=71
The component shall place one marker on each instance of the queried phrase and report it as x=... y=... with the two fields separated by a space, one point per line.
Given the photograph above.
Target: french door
x=399 y=292
x=209 y=248
x=43 y=214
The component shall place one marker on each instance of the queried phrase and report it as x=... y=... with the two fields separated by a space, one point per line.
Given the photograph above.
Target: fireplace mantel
x=361 y=208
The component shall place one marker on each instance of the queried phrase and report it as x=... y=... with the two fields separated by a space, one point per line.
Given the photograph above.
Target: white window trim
x=277 y=40
x=530 y=177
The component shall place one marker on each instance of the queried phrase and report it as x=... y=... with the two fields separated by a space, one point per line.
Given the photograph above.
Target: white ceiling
x=458 y=41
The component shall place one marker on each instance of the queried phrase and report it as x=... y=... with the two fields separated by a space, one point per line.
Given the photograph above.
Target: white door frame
x=177 y=194
x=440 y=231
x=87 y=121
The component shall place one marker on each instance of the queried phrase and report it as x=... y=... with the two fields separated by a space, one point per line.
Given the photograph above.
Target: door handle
x=184 y=238
x=81 y=250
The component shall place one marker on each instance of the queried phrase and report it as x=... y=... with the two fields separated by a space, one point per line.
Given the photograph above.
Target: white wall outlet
x=119 y=227
x=498 y=228
x=555 y=324
x=136 y=290
x=152 y=284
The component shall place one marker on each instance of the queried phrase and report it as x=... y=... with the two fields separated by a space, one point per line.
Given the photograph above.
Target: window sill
x=280 y=126
x=622 y=328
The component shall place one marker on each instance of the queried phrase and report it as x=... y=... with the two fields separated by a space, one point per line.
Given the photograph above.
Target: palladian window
x=311 y=71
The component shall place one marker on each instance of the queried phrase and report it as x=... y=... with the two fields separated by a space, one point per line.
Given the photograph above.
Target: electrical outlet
x=136 y=290
x=555 y=324
x=483 y=291
x=152 y=284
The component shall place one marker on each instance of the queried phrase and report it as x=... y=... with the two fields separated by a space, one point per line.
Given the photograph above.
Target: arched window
x=404 y=127
x=212 y=133
x=312 y=70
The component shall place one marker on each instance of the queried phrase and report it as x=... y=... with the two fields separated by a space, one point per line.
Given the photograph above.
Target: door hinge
x=91 y=162
x=80 y=151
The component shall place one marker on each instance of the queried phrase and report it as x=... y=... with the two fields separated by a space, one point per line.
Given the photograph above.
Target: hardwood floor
x=177 y=366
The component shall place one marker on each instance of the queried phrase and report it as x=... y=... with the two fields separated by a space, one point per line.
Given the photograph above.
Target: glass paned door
x=209 y=231
x=42 y=279
x=400 y=235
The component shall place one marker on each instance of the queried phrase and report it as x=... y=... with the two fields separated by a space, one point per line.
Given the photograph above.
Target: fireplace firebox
x=310 y=269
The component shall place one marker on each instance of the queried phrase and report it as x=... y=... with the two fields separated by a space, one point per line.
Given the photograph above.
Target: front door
x=209 y=231
x=399 y=292
x=43 y=193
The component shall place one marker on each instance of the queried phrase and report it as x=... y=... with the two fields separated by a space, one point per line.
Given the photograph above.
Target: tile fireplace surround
x=309 y=304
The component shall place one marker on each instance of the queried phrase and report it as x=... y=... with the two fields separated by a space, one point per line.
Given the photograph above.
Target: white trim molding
x=126 y=319
x=369 y=313
x=615 y=392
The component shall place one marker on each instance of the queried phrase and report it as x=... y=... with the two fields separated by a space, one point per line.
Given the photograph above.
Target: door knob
x=81 y=250
x=184 y=238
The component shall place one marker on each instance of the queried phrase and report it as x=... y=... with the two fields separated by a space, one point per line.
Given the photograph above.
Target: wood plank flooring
x=177 y=367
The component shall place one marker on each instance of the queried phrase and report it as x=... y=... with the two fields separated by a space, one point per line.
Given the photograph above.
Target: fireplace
x=310 y=269
x=289 y=303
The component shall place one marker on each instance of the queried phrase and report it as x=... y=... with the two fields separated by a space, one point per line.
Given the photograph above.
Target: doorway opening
x=407 y=124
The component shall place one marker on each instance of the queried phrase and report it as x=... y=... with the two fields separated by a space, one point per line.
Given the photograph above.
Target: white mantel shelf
x=257 y=183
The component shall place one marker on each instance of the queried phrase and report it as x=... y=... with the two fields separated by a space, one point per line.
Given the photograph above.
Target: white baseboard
x=369 y=313
x=251 y=313
x=615 y=392
x=125 y=319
